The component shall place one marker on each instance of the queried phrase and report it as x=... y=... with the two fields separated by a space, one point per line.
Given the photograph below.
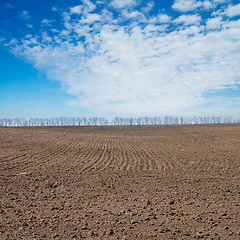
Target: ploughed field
x=121 y=182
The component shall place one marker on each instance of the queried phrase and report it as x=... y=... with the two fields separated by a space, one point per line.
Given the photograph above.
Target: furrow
x=150 y=162
x=119 y=158
x=27 y=156
x=35 y=156
x=94 y=157
x=124 y=163
x=102 y=159
x=109 y=159
x=50 y=157
x=133 y=156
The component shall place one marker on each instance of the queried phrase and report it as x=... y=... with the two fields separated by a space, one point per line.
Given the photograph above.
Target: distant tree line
x=98 y=121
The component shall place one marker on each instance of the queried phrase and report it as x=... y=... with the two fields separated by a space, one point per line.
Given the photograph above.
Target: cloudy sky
x=119 y=58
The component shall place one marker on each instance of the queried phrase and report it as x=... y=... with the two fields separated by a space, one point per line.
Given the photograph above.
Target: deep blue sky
x=119 y=57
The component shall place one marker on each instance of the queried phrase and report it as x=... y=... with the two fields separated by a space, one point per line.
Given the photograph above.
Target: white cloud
x=217 y=13
x=186 y=5
x=47 y=22
x=207 y=5
x=29 y=25
x=123 y=3
x=84 y=9
x=54 y=30
x=25 y=15
x=233 y=11
x=191 y=5
x=77 y=9
x=12 y=42
x=188 y=19
x=143 y=67
x=214 y=23
x=221 y=1
x=8 y=5
x=149 y=7
x=92 y=18
x=54 y=9
x=28 y=36
x=164 y=18
x=132 y=14
x=89 y=5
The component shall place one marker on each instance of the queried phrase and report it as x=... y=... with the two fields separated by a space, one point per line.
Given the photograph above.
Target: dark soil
x=138 y=182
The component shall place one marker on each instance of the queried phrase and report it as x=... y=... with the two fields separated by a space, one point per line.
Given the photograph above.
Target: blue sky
x=119 y=58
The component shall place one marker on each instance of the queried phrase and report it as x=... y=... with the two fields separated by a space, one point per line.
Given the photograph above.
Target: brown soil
x=139 y=182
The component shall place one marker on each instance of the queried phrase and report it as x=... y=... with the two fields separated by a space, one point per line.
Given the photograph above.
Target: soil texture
x=120 y=182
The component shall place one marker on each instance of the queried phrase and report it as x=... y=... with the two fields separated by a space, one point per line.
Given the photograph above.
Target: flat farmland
x=120 y=182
